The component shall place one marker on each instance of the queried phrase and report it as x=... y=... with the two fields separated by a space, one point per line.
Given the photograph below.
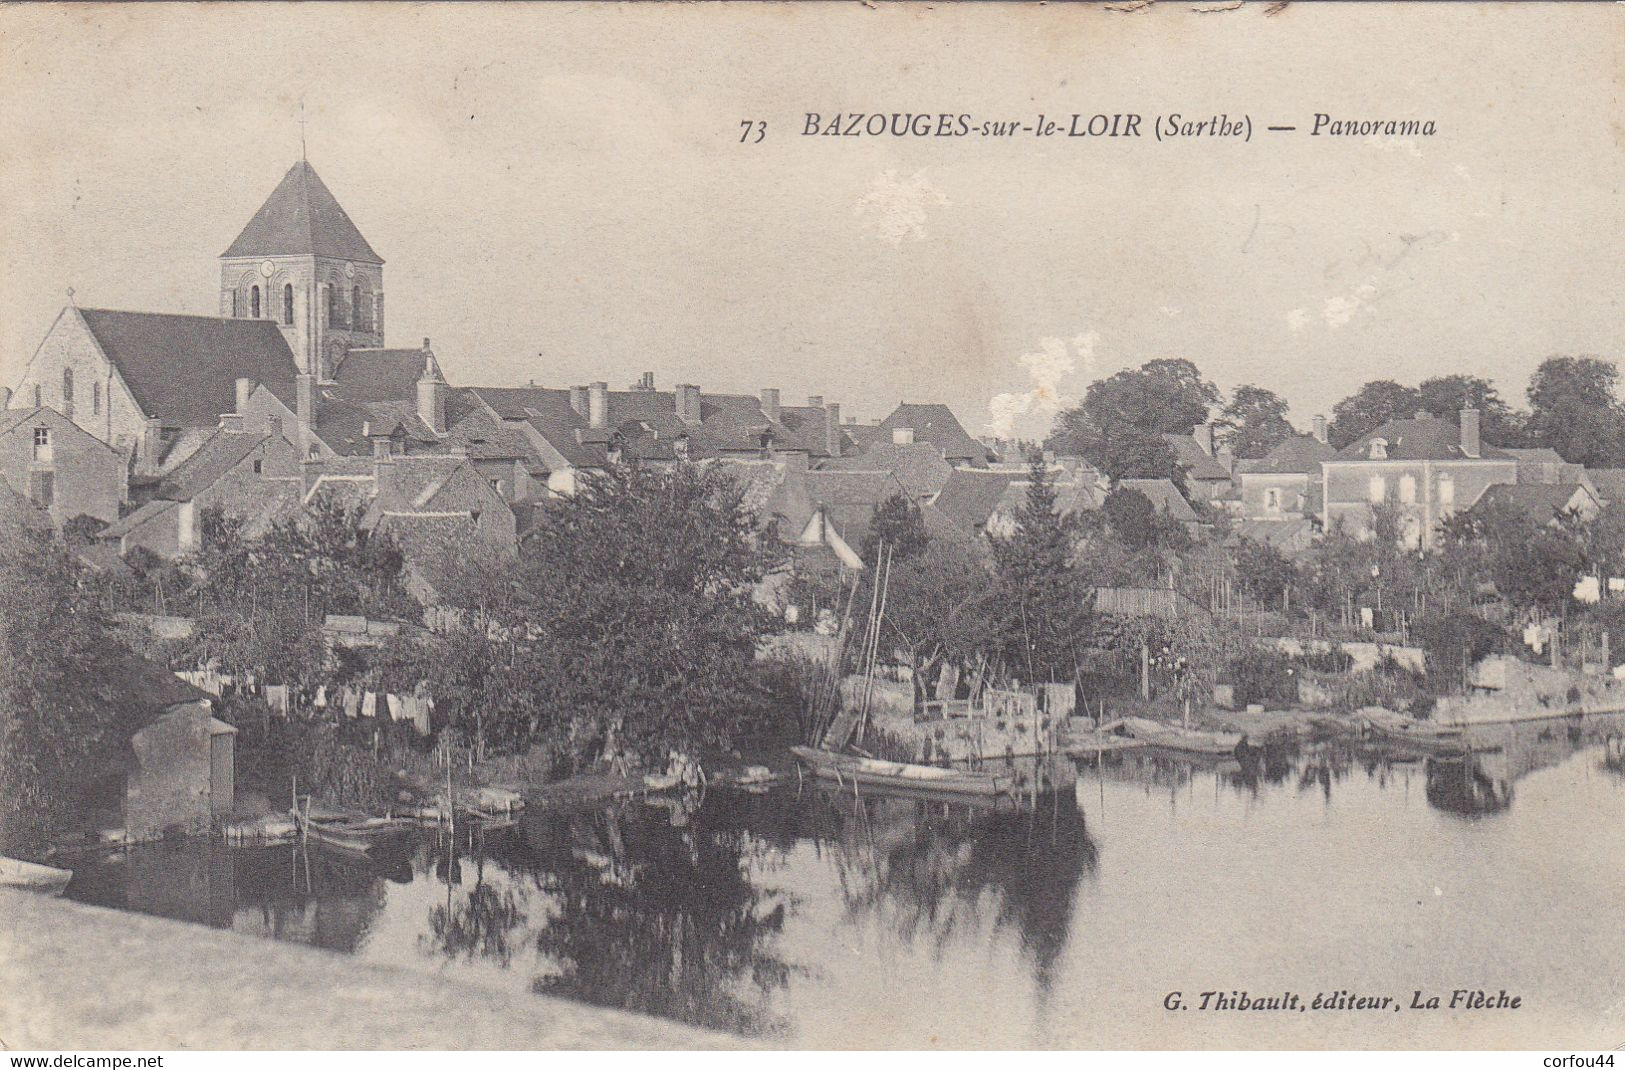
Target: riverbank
x=91 y=979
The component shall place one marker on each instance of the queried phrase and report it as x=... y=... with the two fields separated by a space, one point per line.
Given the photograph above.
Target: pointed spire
x=302 y=217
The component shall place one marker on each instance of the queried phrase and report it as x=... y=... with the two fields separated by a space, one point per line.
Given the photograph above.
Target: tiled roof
x=184 y=369
x=970 y=496
x=344 y=424
x=380 y=374
x=128 y=523
x=1540 y=502
x=302 y=217
x=849 y=499
x=223 y=451
x=1165 y=496
x=1197 y=462
x=1610 y=483
x=1286 y=535
x=1294 y=455
x=1428 y=439
x=1536 y=455
x=935 y=423
x=920 y=467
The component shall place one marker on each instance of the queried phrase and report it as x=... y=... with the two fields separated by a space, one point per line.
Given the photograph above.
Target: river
x=810 y=917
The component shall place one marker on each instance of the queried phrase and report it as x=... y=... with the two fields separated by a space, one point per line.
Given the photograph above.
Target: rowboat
x=1398 y=728
x=33 y=877
x=358 y=833
x=1174 y=737
x=873 y=772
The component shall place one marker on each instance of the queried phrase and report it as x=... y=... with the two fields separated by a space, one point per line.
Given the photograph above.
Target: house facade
x=1284 y=484
x=1425 y=470
x=59 y=467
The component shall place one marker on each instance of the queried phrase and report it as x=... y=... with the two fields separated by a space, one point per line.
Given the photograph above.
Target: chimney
x=688 y=403
x=383 y=460
x=231 y=421
x=815 y=401
x=832 y=429
x=5 y=397
x=770 y=404
x=598 y=405
x=578 y=401
x=432 y=391
x=1203 y=434
x=152 y=443
x=1469 y=432
x=273 y=426
x=245 y=387
x=304 y=408
x=902 y=436
x=1320 y=429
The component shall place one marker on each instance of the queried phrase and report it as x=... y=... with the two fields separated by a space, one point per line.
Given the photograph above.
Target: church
x=301 y=294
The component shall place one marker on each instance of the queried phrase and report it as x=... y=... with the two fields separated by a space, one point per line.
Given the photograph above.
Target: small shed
x=180 y=768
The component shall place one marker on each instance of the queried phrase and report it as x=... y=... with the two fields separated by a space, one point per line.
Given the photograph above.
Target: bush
x=1262 y=676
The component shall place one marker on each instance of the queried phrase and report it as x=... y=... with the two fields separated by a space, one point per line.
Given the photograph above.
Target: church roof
x=184 y=369
x=380 y=374
x=302 y=217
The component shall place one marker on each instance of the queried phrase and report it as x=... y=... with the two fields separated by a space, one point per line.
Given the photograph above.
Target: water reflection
x=742 y=911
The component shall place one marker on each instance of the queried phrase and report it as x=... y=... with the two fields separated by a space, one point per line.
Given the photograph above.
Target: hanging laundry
x=276 y=697
x=320 y=701
x=351 y=699
x=369 y=704
x=396 y=712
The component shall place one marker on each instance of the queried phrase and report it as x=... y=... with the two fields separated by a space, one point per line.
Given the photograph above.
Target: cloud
x=1054 y=360
x=897 y=208
x=1338 y=311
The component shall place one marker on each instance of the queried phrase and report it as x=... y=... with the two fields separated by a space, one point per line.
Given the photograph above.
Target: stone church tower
x=302 y=264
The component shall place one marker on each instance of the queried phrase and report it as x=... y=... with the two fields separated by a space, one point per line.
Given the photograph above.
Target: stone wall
x=89 y=979
x=169 y=786
x=1508 y=689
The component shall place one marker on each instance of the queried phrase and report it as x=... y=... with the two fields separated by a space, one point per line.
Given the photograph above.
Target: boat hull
x=357 y=837
x=868 y=772
x=33 y=877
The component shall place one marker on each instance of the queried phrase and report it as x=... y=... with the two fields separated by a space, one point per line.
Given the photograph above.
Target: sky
x=560 y=193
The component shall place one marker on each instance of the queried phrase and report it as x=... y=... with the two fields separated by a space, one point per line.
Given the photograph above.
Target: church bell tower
x=301 y=263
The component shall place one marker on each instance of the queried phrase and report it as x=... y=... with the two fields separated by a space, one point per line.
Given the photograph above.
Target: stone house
x=1208 y=475
x=60 y=467
x=252 y=476
x=1426 y=469
x=178 y=772
x=1285 y=483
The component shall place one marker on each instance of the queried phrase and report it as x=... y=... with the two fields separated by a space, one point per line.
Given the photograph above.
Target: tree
x=1446 y=395
x=1574 y=409
x=1047 y=604
x=1135 y=522
x=61 y=673
x=1264 y=573
x=1119 y=426
x=634 y=623
x=1256 y=421
x=941 y=606
x=899 y=524
x=1372 y=405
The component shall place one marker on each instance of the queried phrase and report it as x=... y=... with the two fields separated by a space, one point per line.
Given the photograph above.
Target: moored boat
x=874 y=772
x=1174 y=737
x=358 y=833
x=1398 y=728
x=33 y=877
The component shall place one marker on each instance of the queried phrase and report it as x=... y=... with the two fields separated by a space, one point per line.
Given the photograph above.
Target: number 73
x=750 y=126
